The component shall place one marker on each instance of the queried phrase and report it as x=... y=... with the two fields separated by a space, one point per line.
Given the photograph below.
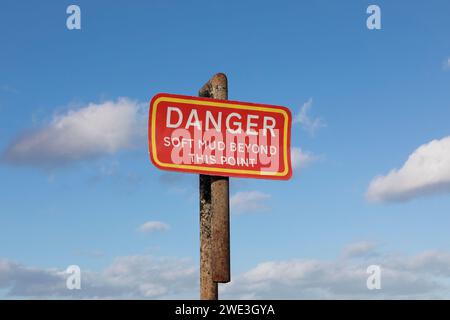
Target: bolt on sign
x=219 y=137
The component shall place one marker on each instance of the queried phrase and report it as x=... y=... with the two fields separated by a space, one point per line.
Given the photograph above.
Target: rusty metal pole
x=214 y=214
x=208 y=288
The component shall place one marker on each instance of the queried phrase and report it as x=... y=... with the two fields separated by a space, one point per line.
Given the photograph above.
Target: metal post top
x=218 y=82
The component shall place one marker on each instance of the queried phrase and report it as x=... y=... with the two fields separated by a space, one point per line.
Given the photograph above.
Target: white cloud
x=359 y=249
x=446 y=64
x=421 y=276
x=127 y=277
x=308 y=123
x=153 y=226
x=249 y=201
x=91 y=131
x=402 y=277
x=427 y=171
x=301 y=159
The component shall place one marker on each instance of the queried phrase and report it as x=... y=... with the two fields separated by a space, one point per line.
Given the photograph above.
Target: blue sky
x=378 y=96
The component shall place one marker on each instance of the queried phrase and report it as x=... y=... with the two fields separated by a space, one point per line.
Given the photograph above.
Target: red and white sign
x=219 y=137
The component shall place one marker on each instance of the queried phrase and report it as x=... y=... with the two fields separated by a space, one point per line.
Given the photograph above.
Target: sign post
x=214 y=214
x=217 y=139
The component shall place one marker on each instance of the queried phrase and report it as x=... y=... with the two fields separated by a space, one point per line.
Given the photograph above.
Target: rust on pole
x=214 y=214
x=220 y=228
x=208 y=288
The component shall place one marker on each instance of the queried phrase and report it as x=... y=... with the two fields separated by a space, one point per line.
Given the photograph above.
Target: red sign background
x=201 y=135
